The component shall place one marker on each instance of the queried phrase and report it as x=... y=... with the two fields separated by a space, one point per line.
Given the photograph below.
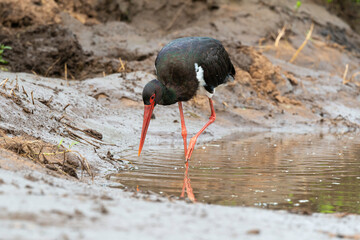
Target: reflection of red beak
x=148 y=109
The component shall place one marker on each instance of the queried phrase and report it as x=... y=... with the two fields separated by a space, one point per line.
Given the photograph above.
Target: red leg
x=183 y=127
x=186 y=184
x=193 y=139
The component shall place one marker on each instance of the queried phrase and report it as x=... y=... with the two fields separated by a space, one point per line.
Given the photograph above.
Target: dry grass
x=279 y=36
x=55 y=157
x=51 y=67
x=308 y=36
x=345 y=74
x=3 y=83
x=122 y=66
x=66 y=74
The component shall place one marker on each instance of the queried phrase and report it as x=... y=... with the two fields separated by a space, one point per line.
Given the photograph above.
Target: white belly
x=200 y=77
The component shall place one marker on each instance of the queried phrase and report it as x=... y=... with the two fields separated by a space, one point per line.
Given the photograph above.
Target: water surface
x=298 y=172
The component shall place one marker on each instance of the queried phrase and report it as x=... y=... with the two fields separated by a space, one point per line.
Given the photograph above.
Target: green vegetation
x=297 y=5
x=2 y=49
x=2 y=60
x=70 y=146
x=59 y=145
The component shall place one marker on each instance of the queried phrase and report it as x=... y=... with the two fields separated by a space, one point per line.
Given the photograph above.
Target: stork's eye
x=152 y=98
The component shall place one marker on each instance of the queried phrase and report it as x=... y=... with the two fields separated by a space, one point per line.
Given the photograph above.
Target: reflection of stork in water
x=187 y=185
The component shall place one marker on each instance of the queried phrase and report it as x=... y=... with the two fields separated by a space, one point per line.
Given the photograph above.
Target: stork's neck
x=168 y=95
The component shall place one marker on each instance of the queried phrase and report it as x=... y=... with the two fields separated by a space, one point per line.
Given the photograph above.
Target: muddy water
x=301 y=173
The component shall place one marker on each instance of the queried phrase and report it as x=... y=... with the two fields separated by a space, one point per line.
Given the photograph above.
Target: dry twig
x=24 y=91
x=17 y=84
x=280 y=35
x=48 y=70
x=32 y=97
x=345 y=81
x=66 y=106
x=4 y=82
x=12 y=92
x=65 y=70
x=122 y=66
x=308 y=36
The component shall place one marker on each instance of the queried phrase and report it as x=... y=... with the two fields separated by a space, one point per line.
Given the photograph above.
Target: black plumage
x=182 y=67
x=175 y=66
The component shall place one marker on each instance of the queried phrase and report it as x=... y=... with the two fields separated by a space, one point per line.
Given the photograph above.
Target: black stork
x=183 y=67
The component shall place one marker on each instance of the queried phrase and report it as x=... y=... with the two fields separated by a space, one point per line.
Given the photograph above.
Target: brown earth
x=349 y=10
x=82 y=39
x=79 y=39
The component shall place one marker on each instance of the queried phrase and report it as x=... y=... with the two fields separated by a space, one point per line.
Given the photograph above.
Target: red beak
x=148 y=109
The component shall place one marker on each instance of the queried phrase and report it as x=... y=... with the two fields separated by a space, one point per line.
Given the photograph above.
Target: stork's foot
x=190 y=148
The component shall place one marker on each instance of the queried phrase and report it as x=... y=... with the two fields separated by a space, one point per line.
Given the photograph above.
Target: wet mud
x=71 y=102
